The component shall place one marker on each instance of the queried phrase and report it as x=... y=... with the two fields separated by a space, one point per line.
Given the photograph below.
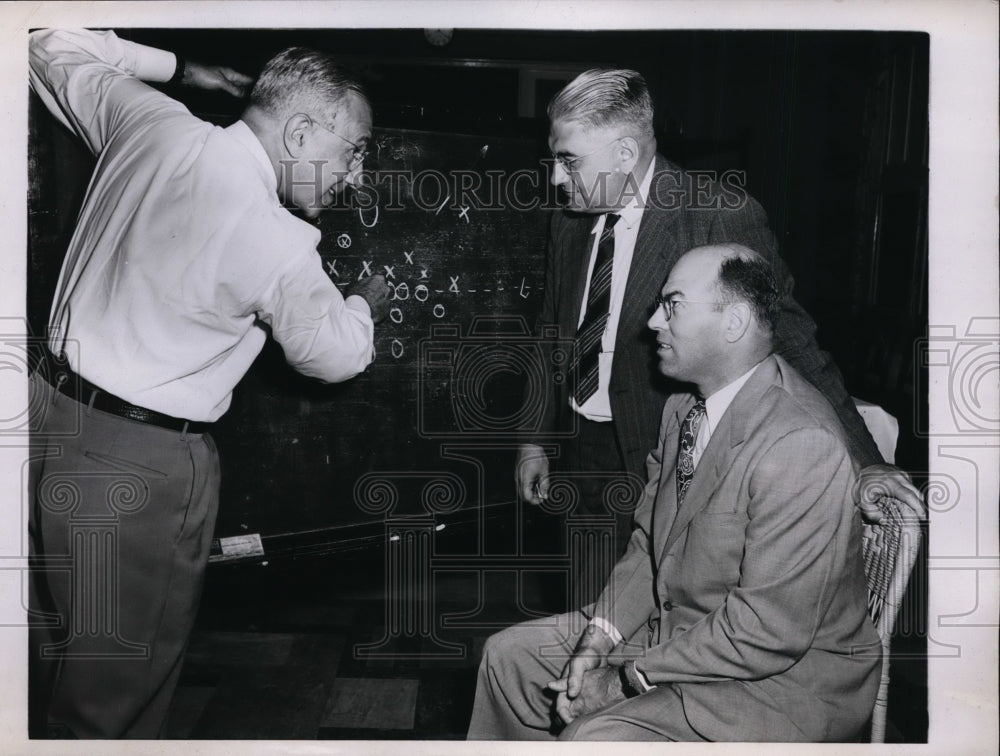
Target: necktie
x=595 y=319
x=685 y=451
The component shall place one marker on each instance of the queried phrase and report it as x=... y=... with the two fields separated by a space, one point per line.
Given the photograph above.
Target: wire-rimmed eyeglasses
x=360 y=153
x=567 y=163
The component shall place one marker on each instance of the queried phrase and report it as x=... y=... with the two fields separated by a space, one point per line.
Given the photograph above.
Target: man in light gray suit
x=738 y=611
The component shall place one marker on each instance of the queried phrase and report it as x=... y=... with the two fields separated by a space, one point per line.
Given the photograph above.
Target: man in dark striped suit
x=630 y=214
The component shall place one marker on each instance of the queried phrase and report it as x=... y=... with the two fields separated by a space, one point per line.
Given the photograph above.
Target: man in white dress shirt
x=182 y=249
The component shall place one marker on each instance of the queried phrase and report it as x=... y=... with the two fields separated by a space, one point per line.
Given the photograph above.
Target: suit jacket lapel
x=666 y=498
x=722 y=448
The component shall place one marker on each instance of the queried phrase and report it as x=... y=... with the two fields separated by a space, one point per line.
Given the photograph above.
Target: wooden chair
x=890 y=551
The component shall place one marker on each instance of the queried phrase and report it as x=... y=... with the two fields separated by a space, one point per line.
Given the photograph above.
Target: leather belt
x=65 y=381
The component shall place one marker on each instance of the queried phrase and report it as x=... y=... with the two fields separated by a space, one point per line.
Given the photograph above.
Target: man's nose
x=559 y=174
x=657 y=321
x=355 y=177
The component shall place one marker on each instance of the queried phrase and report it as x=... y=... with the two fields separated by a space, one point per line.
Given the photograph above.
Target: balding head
x=720 y=305
x=746 y=276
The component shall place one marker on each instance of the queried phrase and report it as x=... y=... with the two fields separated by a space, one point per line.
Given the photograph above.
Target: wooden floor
x=312 y=649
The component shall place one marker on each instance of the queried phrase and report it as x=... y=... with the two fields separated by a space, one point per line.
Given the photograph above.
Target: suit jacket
x=672 y=223
x=751 y=596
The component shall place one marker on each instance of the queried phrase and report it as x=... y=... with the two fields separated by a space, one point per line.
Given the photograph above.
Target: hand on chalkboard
x=375 y=291
x=532 y=474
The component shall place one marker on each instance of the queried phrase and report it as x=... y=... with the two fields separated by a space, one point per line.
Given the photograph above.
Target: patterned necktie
x=588 y=335
x=685 y=452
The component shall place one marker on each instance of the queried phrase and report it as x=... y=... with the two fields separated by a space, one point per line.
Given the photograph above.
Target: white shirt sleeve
x=322 y=335
x=74 y=72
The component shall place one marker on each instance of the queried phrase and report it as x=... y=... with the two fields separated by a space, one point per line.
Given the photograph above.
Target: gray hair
x=302 y=80
x=603 y=97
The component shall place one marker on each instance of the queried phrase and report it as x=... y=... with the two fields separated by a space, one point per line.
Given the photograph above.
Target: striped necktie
x=685 y=450
x=595 y=319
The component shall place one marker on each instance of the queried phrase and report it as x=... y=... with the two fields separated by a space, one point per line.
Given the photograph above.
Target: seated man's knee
x=502 y=643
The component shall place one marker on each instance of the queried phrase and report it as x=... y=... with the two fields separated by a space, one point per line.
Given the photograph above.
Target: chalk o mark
x=438 y=311
x=361 y=217
x=421 y=293
x=401 y=292
x=396 y=315
x=344 y=241
x=397 y=348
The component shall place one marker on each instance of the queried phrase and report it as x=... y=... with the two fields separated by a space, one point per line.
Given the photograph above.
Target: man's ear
x=296 y=131
x=628 y=153
x=737 y=321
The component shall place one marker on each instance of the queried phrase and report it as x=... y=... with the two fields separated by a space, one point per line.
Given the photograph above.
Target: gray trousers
x=121 y=516
x=512 y=704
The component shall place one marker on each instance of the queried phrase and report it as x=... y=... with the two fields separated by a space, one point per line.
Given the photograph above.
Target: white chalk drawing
x=361 y=217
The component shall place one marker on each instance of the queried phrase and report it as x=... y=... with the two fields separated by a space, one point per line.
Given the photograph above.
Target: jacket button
x=667 y=606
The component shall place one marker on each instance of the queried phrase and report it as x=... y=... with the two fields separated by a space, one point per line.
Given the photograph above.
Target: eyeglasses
x=667 y=305
x=360 y=153
x=568 y=162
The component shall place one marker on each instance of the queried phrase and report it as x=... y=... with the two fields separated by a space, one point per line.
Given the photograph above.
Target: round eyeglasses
x=359 y=154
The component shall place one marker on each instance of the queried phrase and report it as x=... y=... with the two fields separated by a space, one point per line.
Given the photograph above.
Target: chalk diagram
x=424 y=289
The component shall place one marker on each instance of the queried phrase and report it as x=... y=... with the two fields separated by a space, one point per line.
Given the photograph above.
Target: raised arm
x=78 y=74
x=92 y=81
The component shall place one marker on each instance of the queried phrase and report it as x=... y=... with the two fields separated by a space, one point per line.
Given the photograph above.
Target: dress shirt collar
x=631 y=214
x=245 y=136
x=717 y=404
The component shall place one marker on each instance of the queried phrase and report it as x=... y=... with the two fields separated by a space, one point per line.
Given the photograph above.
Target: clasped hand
x=588 y=684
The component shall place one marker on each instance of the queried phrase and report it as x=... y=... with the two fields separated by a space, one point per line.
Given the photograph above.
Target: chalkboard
x=457 y=224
